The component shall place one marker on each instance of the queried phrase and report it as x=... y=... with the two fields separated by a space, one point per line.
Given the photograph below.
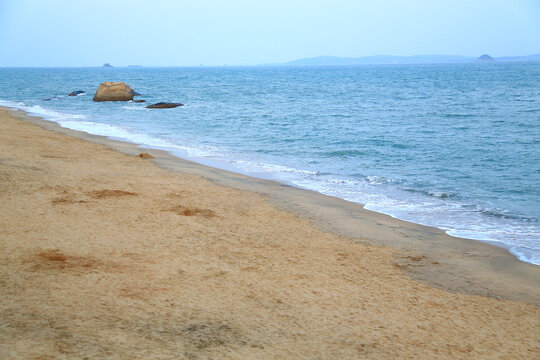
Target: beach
x=107 y=254
x=448 y=158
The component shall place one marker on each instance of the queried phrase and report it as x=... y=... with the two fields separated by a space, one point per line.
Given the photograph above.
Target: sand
x=105 y=254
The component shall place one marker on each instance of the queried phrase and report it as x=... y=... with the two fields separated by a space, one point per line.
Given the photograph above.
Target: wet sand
x=109 y=255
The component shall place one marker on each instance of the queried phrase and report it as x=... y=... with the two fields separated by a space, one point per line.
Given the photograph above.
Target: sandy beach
x=106 y=254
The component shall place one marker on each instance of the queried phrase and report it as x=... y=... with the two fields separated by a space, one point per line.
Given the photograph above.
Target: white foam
x=135 y=108
x=12 y=104
x=447 y=215
x=526 y=255
x=378 y=180
x=258 y=167
x=40 y=111
x=472 y=234
x=51 y=114
x=67 y=120
x=116 y=132
x=125 y=134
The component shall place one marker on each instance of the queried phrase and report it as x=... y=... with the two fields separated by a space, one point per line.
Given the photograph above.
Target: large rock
x=163 y=105
x=114 y=91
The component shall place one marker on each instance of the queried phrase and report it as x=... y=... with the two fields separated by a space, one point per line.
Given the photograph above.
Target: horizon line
x=286 y=63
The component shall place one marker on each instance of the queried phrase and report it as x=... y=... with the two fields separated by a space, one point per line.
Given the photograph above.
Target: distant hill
x=389 y=59
x=535 y=57
x=380 y=59
x=485 y=57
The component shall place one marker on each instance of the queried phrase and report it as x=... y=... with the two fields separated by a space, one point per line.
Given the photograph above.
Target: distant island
x=107 y=65
x=485 y=57
x=415 y=59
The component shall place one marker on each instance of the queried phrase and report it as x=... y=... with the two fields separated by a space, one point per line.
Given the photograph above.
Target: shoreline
x=429 y=254
x=106 y=254
x=449 y=225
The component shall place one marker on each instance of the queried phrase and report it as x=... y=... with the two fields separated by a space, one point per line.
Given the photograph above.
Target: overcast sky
x=242 y=32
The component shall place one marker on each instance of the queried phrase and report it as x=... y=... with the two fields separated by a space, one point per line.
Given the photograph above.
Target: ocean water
x=454 y=146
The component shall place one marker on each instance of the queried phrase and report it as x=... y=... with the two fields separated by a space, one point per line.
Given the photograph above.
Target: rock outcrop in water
x=114 y=91
x=485 y=57
x=163 y=105
x=77 y=93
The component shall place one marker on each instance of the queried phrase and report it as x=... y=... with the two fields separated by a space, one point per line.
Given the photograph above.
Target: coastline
x=405 y=173
x=441 y=260
x=107 y=254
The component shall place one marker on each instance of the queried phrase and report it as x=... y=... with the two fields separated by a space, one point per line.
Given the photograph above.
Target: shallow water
x=453 y=146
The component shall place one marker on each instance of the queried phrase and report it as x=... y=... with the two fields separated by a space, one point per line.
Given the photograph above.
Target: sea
x=453 y=146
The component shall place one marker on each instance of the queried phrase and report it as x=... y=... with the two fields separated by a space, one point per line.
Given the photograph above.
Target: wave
x=378 y=180
x=51 y=114
x=12 y=104
x=248 y=166
x=437 y=194
x=344 y=153
x=40 y=111
x=125 y=134
x=115 y=132
x=526 y=254
x=139 y=108
x=457 y=116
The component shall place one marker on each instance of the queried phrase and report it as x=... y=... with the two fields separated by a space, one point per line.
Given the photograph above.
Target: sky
x=242 y=32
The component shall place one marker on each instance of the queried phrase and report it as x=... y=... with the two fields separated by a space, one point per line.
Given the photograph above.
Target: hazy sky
x=238 y=32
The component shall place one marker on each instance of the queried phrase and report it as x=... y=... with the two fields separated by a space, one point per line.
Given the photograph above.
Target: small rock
x=77 y=93
x=139 y=101
x=163 y=105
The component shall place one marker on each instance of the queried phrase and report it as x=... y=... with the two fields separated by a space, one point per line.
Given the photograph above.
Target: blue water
x=453 y=146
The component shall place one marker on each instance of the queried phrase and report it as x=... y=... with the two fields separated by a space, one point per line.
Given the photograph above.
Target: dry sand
x=107 y=255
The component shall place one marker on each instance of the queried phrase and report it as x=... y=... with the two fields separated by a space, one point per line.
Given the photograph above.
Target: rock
x=485 y=57
x=77 y=93
x=107 y=65
x=51 y=98
x=135 y=93
x=139 y=101
x=113 y=91
x=163 y=105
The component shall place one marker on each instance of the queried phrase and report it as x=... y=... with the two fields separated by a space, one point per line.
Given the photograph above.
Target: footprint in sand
x=185 y=211
x=101 y=194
